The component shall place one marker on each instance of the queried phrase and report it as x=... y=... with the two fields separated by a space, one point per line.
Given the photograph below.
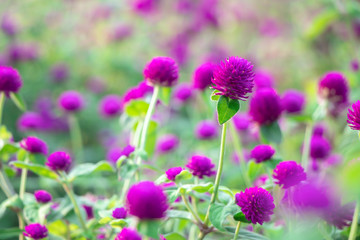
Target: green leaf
x=10 y=233
x=105 y=220
x=272 y=163
x=18 y=100
x=12 y=202
x=183 y=175
x=223 y=189
x=219 y=212
x=321 y=23
x=244 y=234
x=165 y=95
x=178 y=214
x=227 y=108
x=31 y=212
x=300 y=118
x=202 y=188
x=136 y=108
x=151 y=138
x=120 y=223
x=89 y=168
x=9 y=149
x=215 y=97
x=253 y=169
x=173 y=195
x=174 y=236
x=149 y=228
x=271 y=133
x=240 y=216
x=5 y=134
x=162 y=179
x=37 y=169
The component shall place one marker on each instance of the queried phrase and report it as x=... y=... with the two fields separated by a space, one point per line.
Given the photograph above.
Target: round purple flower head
x=319 y=148
x=355 y=66
x=288 y=174
x=10 y=80
x=201 y=166
x=59 y=72
x=256 y=203
x=262 y=153
x=59 y=161
x=128 y=234
x=71 y=101
x=8 y=25
x=161 y=71
x=119 y=213
x=42 y=196
x=333 y=87
x=34 y=145
x=241 y=121
x=265 y=106
x=89 y=211
x=354 y=116
x=293 y=101
x=167 y=143
x=115 y=153
x=203 y=75
x=234 y=78
x=110 y=106
x=319 y=130
x=206 y=130
x=183 y=93
x=146 y=200
x=171 y=173
x=35 y=231
x=30 y=121
x=263 y=79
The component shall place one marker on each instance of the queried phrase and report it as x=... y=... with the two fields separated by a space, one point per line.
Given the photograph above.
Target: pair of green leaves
x=226 y=107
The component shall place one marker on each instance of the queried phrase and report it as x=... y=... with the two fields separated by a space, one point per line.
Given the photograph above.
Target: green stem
x=219 y=172
x=239 y=151
x=23 y=179
x=197 y=218
x=306 y=148
x=76 y=138
x=2 y=100
x=354 y=223
x=237 y=230
x=21 y=225
x=4 y=186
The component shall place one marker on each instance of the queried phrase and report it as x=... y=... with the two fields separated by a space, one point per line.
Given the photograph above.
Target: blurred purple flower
x=183 y=93
x=128 y=234
x=89 y=211
x=162 y=71
x=319 y=148
x=262 y=153
x=71 y=101
x=263 y=79
x=261 y=180
x=30 y=121
x=270 y=28
x=120 y=33
x=110 y=106
x=201 y=166
x=137 y=92
x=293 y=101
x=167 y=143
x=241 y=121
x=115 y=153
x=35 y=231
x=22 y=53
x=144 y=6
x=288 y=174
x=59 y=72
x=59 y=161
x=95 y=85
x=8 y=25
x=354 y=116
x=355 y=66
x=206 y=130
x=319 y=130
x=10 y=80
x=171 y=173
x=42 y=196
x=34 y=145
x=202 y=76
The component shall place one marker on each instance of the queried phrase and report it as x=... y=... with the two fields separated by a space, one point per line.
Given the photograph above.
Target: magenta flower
x=354 y=116
x=10 y=80
x=162 y=71
x=261 y=180
x=319 y=148
x=241 y=121
x=171 y=173
x=183 y=93
x=256 y=203
x=319 y=130
x=89 y=211
x=334 y=88
x=355 y=66
x=262 y=153
x=8 y=25
x=59 y=161
x=128 y=234
x=263 y=79
x=30 y=121
x=203 y=75
x=59 y=72
x=35 y=231
x=288 y=174
x=293 y=101
x=34 y=145
x=206 y=130
x=137 y=92
x=234 y=78
x=144 y=6
x=167 y=143
x=22 y=53
x=71 y=101
x=340 y=216
x=146 y=200
x=119 y=213
x=42 y=196
x=265 y=106
x=110 y=106
x=201 y=166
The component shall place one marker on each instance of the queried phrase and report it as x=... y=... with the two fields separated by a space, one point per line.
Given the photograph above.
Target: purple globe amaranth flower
x=110 y=106
x=334 y=88
x=288 y=174
x=263 y=79
x=319 y=130
x=8 y=25
x=115 y=153
x=354 y=116
x=241 y=121
x=59 y=161
x=261 y=180
x=71 y=101
x=167 y=143
x=42 y=196
x=144 y=6
x=183 y=93
x=203 y=75
x=355 y=66
x=120 y=33
x=256 y=203
x=10 y=80
x=22 y=53
x=179 y=48
x=265 y=106
x=234 y=78
x=146 y=200
x=137 y=92
x=128 y=234
x=206 y=130
x=162 y=71
x=262 y=153
x=59 y=72
x=35 y=231
x=201 y=166
x=171 y=173
x=319 y=148
x=34 y=145
x=89 y=211
x=293 y=101
x=30 y=121
x=119 y=213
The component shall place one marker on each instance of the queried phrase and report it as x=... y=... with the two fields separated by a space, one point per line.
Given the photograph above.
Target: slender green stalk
x=354 y=223
x=219 y=171
x=76 y=137
x=23 y=179
x=2 y=100
x=239 y=151
x=237 y=230
x=4 y=186
x=306 y=148
x=21 y=224
x=197 y=218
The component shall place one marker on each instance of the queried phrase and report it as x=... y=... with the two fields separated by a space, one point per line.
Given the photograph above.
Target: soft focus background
x=101 y=47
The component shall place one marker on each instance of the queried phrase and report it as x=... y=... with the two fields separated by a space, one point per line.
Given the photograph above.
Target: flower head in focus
x=201 y=166
x=354 y=116
x=288 y=174
x=35 y=231
x=59 y=161
x=262 y=153
x=34 y=145
x=162 y=71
